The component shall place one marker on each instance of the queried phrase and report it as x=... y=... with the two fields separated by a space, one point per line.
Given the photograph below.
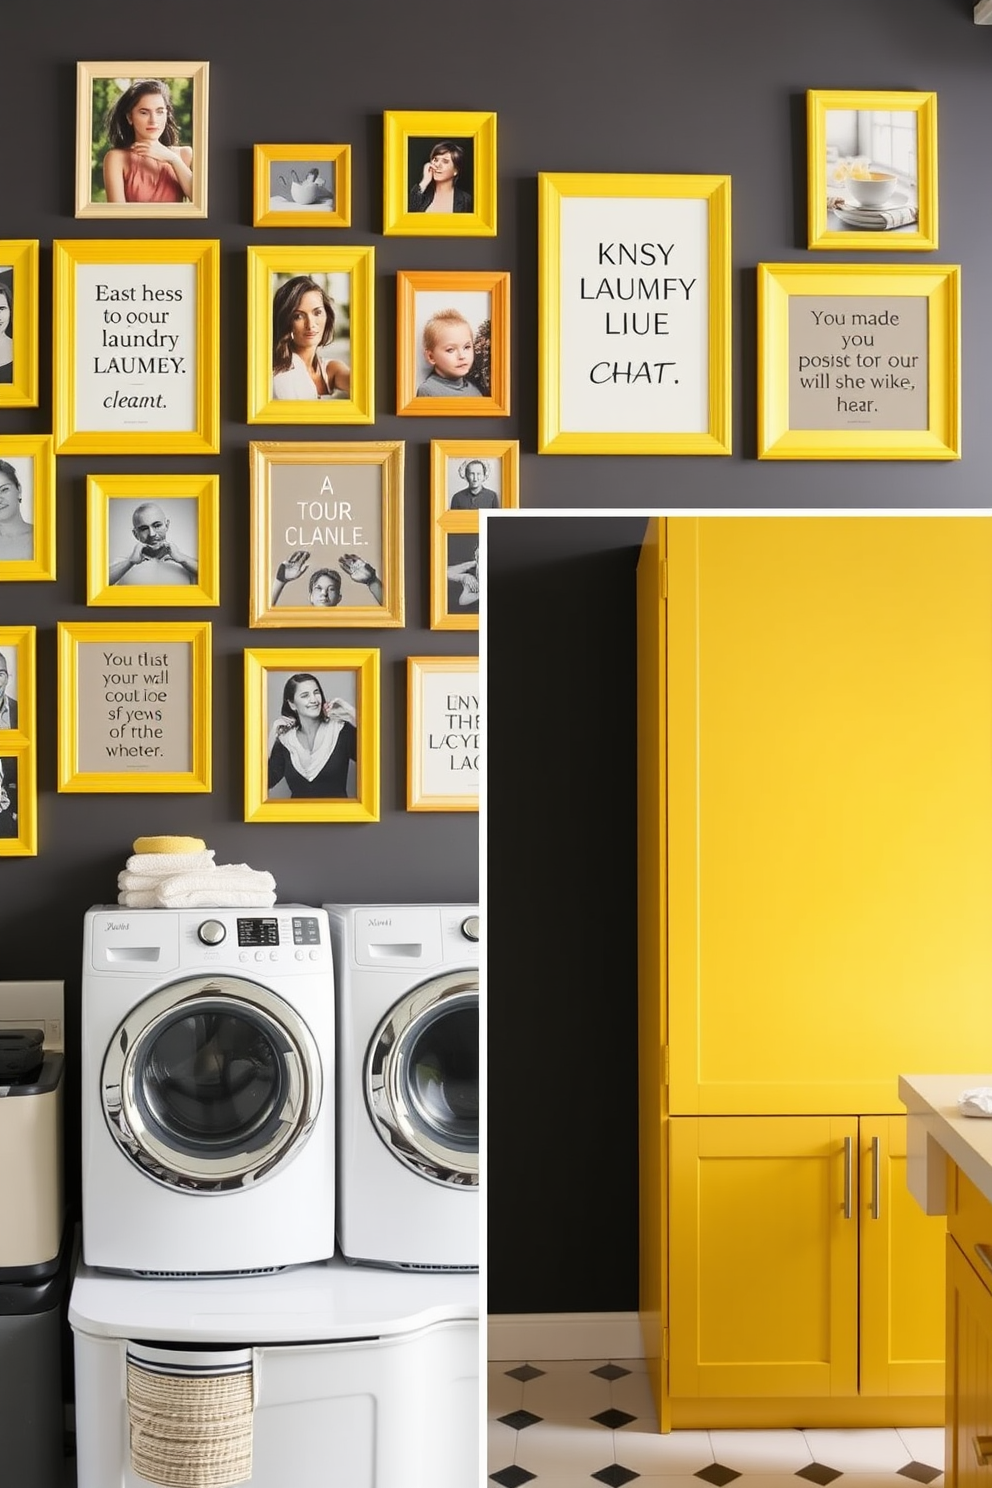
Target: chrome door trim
x=385 y=1097
x=160 y=1160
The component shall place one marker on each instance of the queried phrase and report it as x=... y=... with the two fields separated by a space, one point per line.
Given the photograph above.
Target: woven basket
x=190 y=1432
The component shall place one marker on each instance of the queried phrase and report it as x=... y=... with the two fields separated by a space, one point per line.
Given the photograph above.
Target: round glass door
x=422 y=1080
x=209 y=1085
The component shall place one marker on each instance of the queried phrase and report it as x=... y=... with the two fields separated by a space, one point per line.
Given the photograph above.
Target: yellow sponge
x=169 y=845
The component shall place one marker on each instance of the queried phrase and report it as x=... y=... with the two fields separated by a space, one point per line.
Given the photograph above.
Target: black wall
x=640 y=85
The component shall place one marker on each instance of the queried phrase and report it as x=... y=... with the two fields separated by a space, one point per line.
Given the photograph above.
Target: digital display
x=258 y=933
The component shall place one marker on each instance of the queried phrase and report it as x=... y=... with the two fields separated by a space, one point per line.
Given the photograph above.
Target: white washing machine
x=358 y=1377
x=407 y=980
x=207 y=1089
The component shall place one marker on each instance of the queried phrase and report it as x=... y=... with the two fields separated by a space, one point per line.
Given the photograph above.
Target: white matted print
x=443 y=733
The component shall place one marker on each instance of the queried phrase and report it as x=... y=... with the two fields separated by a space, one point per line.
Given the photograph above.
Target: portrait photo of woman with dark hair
x=304 y=321
x=440 y=176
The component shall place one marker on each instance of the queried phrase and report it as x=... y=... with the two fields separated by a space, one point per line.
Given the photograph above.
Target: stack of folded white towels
x=180 y=873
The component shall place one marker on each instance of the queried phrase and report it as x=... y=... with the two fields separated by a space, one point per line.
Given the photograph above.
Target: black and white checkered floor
x=565 y=1423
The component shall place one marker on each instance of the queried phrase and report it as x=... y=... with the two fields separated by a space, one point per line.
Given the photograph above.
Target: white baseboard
x=564 y=1335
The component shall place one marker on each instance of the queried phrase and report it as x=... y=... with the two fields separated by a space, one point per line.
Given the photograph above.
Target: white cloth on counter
x=216 y=884
x=976 y=1102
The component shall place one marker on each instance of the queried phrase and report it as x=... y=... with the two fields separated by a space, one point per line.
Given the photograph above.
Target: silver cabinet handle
x=848 y=1175
x=876 y=1178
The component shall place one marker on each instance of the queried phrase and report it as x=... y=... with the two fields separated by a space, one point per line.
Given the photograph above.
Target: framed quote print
x=137 y=347
x=634 y=310
x=302 y=186
x=312 y=735
x=152 y=540
x=27 y=507
x=439 y=174
x=468 y=476
x=872 y=170
x=19 y=323
x=327 y=534
x=311 y=335
x=859 y=362
x=442 y=733
x=141 y=139
x=134 y=707
x=18 y=770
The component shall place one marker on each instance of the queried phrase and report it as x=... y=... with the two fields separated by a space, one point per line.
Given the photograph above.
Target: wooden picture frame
x=18 y=760
x=302 y=186
x=465 y=315
x=278 y=280
x=141 y=139
x=634 y=314
x=467 y=476
x=429 y=156
x=27 y=508
x=139 y=694
x=442 y=733
x=152 y=540
x=327 y=534
x=137 y=347
x=872 y=170
x=840 y=353
x=19 y=338
x=283 y=783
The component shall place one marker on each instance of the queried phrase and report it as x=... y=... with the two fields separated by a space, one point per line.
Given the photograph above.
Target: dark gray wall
x=649 y=85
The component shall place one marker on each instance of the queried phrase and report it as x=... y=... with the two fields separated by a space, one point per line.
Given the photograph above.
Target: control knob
x=211 y=932
x=470 y=927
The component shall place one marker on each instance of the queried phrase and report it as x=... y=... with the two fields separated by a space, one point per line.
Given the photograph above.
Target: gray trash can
x=32 y=1321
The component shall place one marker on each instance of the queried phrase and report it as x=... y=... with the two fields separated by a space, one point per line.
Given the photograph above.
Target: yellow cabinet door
x=763 y=1236
x=902 y=1284
x=829 y=807
x=969 y=1370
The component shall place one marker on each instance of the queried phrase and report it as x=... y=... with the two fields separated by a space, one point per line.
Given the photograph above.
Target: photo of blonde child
x=449 y=350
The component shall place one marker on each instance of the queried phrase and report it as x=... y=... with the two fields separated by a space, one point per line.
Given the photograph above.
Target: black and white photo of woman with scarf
x=312 y=744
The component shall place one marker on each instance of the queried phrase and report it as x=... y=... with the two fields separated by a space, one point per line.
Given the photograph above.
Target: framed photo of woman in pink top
x=141 y=139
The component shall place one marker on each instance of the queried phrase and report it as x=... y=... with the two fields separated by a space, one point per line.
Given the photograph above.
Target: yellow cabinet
x=800 y=1270
x=969 y=1370
x=814 y=880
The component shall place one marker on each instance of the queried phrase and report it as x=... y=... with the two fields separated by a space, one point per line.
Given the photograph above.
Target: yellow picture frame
x=18 y=759
x=301 y=521
x=890 y=137
x=180 y=566
x=354 y=670
x=143 y=692
x=442 y=741
x=32 y=458
x=268 y=270
x=495 y=472
x=482 y=298
x=410 y=138
x=19 y=295
x=91 y=134
x=297 y=174
x=97 y=280
x=626 y=262
x=824 y=366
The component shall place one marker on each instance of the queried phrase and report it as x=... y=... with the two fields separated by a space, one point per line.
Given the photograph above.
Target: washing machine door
x=211 y=1083
x=422 y=1079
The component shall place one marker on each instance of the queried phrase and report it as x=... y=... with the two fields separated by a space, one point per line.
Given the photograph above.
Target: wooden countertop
x=937 y=1132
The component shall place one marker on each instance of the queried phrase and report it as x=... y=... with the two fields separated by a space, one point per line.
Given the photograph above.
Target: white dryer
x=407 y=980
x=207 y=1089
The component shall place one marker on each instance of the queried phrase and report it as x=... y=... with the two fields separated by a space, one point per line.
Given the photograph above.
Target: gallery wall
x=644 y=86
